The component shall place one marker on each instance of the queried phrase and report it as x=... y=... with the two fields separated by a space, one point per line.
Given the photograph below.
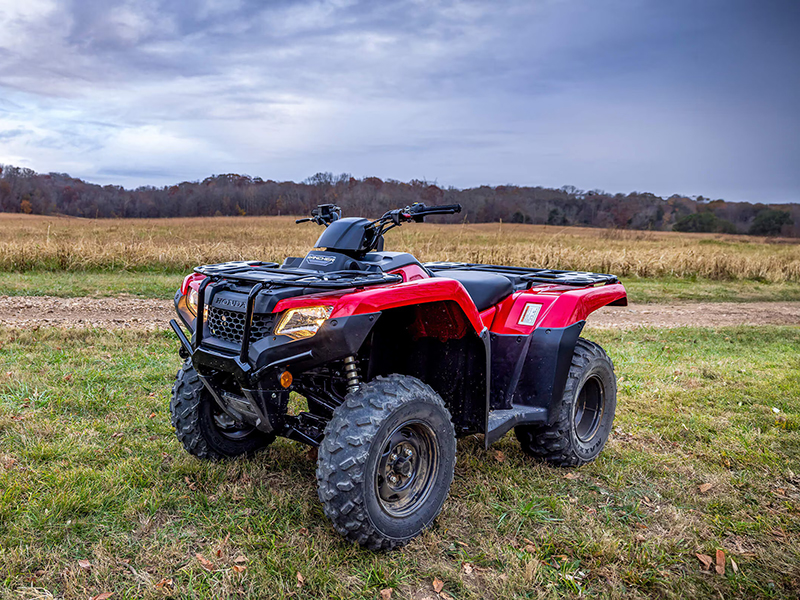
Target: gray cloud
x=626 y=94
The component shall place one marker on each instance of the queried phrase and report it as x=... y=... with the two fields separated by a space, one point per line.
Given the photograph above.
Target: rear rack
x=526 y=277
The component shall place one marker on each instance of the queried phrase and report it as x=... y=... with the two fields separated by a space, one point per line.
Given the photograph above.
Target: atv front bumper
x=262 y=361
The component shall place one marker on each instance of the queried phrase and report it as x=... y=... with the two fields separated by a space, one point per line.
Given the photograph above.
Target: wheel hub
x=589 y=409
x=406 y=468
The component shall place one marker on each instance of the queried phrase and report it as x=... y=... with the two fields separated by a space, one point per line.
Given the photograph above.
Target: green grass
x=163 y=285
x=90 y=470
x=67 y=284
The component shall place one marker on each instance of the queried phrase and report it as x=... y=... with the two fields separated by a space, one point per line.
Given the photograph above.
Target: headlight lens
x=299 y=323
x=191 y=301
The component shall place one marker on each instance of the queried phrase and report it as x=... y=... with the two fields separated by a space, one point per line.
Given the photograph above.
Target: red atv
x=395 y=360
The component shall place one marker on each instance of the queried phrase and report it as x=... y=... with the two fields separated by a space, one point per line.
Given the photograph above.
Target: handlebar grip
x=306 y=220
x=444 y=209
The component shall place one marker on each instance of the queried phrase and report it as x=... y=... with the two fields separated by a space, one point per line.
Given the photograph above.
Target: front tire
x=203 y=428
x=386 y=464
x=586 y=416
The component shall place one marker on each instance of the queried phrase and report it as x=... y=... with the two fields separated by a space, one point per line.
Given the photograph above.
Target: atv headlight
x=299 y=323
x=191 y=301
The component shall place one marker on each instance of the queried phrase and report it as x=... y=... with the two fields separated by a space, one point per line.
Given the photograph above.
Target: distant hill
x=23 y=190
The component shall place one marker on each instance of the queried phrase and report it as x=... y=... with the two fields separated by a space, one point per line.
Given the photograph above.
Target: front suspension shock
x=351 y=374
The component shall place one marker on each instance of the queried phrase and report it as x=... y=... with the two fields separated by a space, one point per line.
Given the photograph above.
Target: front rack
x=528 y=276
x=271 y=274
x=263 y=276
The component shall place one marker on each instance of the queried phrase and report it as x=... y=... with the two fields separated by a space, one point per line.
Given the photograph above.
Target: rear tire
x=203 y=428
x=386 y=464
x=586 y=416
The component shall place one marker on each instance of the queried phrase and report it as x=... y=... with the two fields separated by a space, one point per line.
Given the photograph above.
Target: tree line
x=25 y=191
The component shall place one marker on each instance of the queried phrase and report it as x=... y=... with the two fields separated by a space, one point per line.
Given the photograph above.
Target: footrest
x=501 y=421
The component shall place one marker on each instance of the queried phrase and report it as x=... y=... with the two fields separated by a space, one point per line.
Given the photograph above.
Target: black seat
x=485 y=289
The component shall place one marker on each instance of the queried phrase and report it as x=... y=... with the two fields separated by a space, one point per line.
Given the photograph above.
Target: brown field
x=34 y=243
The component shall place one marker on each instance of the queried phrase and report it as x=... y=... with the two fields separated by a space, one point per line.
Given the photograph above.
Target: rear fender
x=522 y=312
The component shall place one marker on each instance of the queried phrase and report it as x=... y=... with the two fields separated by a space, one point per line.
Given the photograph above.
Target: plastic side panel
x=375 y=299
x=557 y=308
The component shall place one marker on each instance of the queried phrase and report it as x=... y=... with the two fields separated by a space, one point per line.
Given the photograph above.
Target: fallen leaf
x=239 y=568
x=734 y=566
x=720 y=568
x=438 y=585
x=571 y=476
x=386 y=593
x=499 y=456
x=84 y=564
x=153 y=438
x=103 y=596
x=190 y=483
x=116 y=435
x=703 y=488
x=152 y=394
x=222 y=545
x=302 y=531
x=204 y=562
x=445 y=596
x=68 y=377
x=240 y=559
x=165 y=583
x=152 y=415
x=706 y=560
x=467 y=569
x=300 y=580
x=530 y=548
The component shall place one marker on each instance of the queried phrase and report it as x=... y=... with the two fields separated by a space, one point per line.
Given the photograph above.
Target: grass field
x=148 y=258
x=32 y=244
x=163 y=285
x=91 y=471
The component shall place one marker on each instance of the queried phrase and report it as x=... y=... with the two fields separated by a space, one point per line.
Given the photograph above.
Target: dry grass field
x=32 y=243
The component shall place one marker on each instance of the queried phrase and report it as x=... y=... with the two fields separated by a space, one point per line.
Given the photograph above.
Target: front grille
x=228 y=325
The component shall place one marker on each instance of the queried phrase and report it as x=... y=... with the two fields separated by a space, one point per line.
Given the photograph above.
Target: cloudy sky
x=692 y=97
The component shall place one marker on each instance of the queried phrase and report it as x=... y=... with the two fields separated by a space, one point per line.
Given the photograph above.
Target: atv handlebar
x=326 y=214
x=417 y=213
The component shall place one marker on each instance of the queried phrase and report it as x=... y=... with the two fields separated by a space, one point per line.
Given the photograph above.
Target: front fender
x=385 y=297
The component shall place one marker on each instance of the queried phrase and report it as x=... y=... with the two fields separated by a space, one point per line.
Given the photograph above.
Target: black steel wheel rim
x=406 y=468
x=589 y=407
x=228 y=428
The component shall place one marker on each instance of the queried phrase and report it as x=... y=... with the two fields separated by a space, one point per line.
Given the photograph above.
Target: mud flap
x=531 y=371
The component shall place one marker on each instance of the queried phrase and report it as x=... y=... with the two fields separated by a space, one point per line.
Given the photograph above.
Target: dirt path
x=135 y=313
